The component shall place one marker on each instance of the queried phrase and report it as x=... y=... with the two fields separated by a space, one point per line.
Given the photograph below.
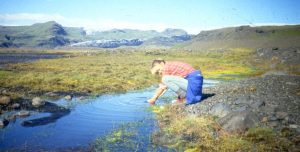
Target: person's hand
x=151 y=101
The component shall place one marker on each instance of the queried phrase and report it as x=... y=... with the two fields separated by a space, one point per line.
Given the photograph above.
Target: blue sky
x=191 y=15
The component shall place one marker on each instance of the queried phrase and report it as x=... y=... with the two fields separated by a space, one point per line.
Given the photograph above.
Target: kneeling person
x=181 y=78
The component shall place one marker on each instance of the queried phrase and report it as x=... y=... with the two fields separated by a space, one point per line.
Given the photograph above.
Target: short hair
x=157 y=61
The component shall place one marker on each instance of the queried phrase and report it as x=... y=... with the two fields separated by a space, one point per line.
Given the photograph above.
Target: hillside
x=246 y=37
x=47 y=34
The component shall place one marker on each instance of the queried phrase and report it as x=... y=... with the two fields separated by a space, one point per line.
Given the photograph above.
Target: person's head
x=157 y=66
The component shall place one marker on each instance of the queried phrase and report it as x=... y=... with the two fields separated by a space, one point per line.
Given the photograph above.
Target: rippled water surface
x=88 y=119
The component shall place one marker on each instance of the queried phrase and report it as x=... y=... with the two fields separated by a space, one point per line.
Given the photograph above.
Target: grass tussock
x=191 y=134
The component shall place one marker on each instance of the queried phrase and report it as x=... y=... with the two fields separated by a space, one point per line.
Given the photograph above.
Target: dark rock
x=4 y=100
x=37 y=102
x=239 y=121
x=273 y=118
x=220 y=110
x=3 y=123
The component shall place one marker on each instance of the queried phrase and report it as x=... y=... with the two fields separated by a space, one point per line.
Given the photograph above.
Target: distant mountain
x=52 y=34
x=134 y=34
x=245 y=36
x=167 y=41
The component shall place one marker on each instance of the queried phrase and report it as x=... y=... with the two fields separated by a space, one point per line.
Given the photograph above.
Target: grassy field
x=98 y=72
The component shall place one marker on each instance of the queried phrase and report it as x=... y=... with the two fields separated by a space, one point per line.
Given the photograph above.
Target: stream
x=87 y=120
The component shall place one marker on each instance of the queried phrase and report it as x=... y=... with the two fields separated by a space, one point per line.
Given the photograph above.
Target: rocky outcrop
x=272 y=101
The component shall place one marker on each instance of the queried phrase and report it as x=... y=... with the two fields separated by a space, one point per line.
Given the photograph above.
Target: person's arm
x=159 y=92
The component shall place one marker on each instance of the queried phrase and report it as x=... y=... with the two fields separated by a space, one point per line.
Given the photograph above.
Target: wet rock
x=37 y=102
x=68 y=97
x=3 y=123
x=239 y=121
x=23 y=113
x=220 y=110
x=4 y=100
x=15 y=106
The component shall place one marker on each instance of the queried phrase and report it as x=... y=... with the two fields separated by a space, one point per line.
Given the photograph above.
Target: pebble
x=68 y=97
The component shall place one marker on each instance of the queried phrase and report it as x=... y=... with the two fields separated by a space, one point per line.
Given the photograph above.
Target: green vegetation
x=114 y=71
x=191 y=134
x=124 y=138
x=107 y=71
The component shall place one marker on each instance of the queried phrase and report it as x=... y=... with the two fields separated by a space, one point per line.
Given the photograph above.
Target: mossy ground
x=191 y=134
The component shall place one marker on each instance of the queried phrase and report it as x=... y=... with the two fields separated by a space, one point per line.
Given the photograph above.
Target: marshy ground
x=95 y=72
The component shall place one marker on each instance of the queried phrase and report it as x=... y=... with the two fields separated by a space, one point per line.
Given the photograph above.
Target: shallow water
x=6 y=58
x=88 y=119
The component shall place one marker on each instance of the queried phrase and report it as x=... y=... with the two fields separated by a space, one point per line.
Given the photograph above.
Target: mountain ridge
x=52 y=34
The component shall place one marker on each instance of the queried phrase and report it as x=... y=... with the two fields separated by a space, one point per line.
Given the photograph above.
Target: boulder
x=220 y=110
x=239 y=121
x=37 y=102
x=4 y=100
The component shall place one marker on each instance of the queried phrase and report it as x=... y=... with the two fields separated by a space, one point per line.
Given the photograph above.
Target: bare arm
x=159 y=92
